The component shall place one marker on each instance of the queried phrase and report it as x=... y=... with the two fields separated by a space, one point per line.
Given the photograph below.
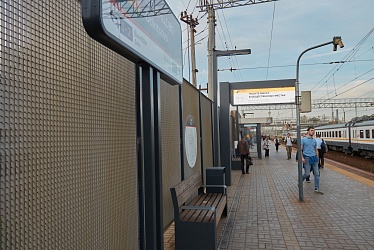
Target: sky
x=277 y=42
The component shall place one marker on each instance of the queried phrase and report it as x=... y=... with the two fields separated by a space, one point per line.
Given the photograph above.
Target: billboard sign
x=263 y=96
x=142 y=31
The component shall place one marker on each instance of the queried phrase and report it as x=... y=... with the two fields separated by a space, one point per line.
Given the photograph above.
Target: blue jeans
x=315 y=168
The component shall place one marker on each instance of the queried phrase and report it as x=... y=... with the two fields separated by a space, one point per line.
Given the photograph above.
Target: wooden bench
x=197 y=213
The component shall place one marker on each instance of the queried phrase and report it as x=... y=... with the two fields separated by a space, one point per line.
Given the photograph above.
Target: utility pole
x=211 y=48
x=192 y=22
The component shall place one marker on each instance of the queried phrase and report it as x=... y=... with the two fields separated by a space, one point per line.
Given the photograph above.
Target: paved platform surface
x=265 y=212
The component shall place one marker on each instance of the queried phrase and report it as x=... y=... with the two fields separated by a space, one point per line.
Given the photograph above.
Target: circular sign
x=190 y=141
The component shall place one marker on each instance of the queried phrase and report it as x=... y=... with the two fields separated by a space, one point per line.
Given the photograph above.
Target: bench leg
x=225 y=211
x=195 y=235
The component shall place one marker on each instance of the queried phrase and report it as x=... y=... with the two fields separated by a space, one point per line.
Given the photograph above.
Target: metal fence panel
x=68 y=175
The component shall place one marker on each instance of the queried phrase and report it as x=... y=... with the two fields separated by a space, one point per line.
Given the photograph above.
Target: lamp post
x=337 y=40
x=216 y=141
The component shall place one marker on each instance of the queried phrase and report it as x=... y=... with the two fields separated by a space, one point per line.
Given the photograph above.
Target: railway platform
x=264 y=211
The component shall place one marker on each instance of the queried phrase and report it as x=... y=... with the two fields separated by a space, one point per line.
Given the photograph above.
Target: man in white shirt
x=288 y=145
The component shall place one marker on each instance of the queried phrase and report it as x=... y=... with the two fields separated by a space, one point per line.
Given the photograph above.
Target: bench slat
x=206 y=202
x=209 y=215
x=187 y=214
x=188 y=188
x=219 y=204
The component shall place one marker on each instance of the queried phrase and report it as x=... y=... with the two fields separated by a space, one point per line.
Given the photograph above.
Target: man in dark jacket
x=243 y=149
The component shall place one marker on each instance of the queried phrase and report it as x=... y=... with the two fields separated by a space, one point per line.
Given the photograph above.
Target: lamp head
x=337 y=40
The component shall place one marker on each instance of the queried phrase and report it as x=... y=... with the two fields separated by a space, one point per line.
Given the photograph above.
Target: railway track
x=354 y=164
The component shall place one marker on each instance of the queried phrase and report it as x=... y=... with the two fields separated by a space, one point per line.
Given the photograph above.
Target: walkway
x=266 y=213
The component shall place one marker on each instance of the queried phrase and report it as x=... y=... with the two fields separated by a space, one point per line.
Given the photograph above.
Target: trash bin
x=215 y=176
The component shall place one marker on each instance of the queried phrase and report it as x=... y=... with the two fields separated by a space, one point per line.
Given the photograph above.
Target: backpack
x=324 y=147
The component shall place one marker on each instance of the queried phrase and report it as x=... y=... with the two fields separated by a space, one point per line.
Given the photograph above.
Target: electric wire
x=353 y=87
x=223 y=44
x=293 y=65
x=350 y=55
x=350 y=82
x=232 y=46
x=271 y=38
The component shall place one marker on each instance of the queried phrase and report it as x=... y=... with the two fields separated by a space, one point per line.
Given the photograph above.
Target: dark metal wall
x=68 y=133
x=170 y=136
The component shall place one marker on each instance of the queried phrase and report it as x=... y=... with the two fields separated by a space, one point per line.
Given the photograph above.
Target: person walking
x=288 y=145
x=243 y=149
x=321 y=151
x=276 y=143
x=266 y=147
x=310 y=158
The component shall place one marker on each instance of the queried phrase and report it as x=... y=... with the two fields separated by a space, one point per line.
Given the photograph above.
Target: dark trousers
x=276 y=147
x=242 y=157
x=321 y=156
x=267 y=152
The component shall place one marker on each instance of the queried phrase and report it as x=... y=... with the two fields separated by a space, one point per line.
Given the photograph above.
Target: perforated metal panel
x=190 y=100
x=206 y=133
x=171 y=164
x=68 y=175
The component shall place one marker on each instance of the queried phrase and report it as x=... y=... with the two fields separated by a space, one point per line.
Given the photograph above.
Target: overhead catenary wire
x=271 y=38
x=224 y=44
x=347 y=57
x=232 y=46
x=354 y=87
x=294 y=65
x=351 y=81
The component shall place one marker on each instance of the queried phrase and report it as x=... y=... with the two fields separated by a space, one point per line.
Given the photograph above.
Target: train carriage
x=351 y=137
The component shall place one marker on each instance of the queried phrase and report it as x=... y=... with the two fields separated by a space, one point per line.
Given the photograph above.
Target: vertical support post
x=139 y=126
x=259 y=140
x=211 y=47
x=236 y=135
x=158 y=160
x=216 y=132
x=224 y=119
x=299 y=153
x=201 y=137
x=181 y=127
x=151 y=148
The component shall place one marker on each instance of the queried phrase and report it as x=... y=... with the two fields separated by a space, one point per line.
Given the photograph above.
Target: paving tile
x=269 y=216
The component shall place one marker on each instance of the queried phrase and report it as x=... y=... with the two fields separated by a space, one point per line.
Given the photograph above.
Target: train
x=351 y=138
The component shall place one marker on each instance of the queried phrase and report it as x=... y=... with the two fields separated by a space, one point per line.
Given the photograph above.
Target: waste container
x=215 y=176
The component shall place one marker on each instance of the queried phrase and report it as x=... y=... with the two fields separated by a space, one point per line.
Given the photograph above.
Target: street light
x=216 y=141
x=337 y=40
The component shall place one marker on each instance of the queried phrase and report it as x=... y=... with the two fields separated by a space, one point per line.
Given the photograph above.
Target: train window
x=372 y=133
x=340 y=134
x=367 y=133
x=329 y=133
x=336 y=133
x=361 y=134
